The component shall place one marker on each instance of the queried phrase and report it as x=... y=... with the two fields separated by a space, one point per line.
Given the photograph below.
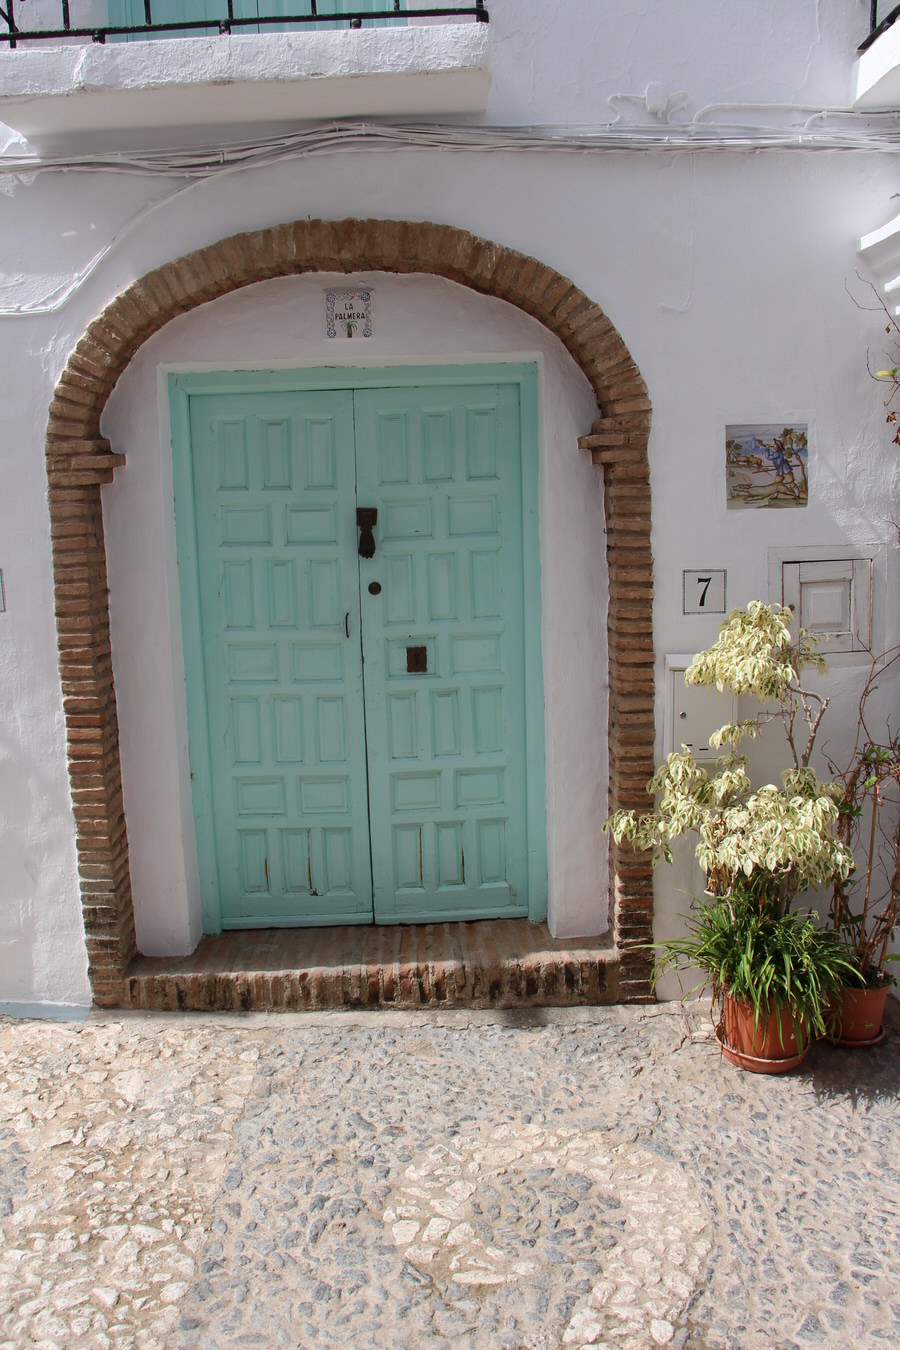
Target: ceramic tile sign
x=348 y=314
x=766 y=465
x=703 y=591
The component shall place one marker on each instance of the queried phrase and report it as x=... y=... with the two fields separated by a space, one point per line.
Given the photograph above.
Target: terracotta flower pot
x=859 y=1015
x=769 y=1046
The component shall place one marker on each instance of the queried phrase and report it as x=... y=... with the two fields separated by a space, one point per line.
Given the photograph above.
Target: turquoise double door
x=357 y=686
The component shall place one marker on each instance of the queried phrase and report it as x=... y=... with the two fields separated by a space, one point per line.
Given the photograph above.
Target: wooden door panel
x=444 y=651
x=274 y=489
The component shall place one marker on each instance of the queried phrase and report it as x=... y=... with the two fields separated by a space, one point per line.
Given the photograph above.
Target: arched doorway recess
x=79 y=461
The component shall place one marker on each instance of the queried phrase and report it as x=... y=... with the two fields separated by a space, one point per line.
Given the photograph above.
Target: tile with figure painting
x=766 y=465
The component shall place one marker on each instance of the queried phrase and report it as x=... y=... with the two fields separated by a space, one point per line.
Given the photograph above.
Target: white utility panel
x=694 y=712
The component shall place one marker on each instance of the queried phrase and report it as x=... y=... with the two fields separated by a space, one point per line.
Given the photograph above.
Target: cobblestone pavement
x=545 y=1180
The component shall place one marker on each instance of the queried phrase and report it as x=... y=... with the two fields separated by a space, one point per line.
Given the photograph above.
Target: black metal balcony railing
x=226 y=16
x=881 y=17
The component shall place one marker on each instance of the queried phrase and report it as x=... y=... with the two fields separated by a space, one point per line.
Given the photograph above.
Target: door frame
x=181 y=387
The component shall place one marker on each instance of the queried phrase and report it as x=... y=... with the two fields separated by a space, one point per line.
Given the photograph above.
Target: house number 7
x=703 y=592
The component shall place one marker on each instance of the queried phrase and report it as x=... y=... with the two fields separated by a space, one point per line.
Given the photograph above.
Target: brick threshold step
x=505 y=963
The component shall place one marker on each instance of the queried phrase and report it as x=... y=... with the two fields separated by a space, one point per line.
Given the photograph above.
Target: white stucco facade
x=733 y=278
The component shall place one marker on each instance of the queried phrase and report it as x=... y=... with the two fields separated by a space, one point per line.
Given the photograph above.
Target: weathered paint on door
x=365 y=718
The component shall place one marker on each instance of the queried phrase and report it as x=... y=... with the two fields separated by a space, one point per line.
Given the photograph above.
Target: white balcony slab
x=876 y=75
x=885 y=241
x=57 y=93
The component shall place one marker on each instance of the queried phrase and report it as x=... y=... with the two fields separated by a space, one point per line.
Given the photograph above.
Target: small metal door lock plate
x=417 y=660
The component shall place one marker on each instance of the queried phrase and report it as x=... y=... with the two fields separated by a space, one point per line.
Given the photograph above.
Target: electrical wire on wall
x=835 y=129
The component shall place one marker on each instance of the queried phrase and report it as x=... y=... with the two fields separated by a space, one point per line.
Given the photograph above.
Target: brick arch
x=79 y=461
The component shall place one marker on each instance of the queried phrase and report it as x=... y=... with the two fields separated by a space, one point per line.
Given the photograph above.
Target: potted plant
x=864 y=904
x=770 y=967
x=773 y=975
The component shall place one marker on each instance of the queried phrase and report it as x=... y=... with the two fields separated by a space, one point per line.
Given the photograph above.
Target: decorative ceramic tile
x=766 y=465
x=703 y=591
x=348 y=314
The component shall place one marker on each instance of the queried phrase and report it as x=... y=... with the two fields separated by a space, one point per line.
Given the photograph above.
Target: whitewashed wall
x=727 y=275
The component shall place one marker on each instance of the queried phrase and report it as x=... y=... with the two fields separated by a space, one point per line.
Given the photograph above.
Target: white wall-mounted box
x=694 y=712
x=831 y=591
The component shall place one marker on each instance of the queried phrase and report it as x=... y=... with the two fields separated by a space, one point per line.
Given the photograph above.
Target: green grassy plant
x=773 y=962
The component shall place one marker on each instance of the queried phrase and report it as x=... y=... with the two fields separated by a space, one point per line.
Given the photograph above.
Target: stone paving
x=542 y=1180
